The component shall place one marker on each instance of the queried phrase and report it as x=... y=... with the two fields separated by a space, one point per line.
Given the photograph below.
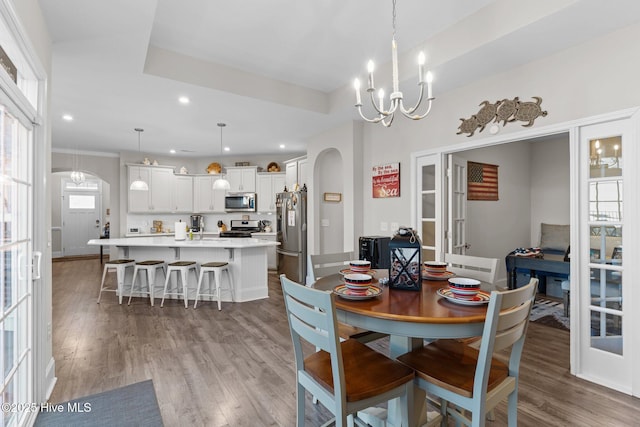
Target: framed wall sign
x=385 y=180
x=332 y=197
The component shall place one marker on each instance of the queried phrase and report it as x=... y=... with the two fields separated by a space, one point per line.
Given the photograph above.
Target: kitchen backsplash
x=144 y=223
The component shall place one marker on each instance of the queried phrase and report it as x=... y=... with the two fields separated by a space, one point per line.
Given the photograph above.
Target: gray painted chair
x=469 y=379
x=479 y=268
x=345 y=377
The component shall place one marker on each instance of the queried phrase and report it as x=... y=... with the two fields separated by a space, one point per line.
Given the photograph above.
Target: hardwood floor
x=235 y=367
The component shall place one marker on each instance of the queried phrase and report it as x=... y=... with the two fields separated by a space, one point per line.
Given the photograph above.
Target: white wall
x=331 y=169
x=569 y=83
x=549 y=184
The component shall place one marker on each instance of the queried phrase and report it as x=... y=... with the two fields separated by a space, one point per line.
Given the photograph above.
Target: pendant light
x=139 y=184
x=221 y=183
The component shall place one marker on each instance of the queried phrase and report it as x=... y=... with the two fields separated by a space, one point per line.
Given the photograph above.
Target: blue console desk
x=551 y=264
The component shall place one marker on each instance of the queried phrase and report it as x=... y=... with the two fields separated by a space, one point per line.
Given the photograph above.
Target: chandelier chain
x=394 y=19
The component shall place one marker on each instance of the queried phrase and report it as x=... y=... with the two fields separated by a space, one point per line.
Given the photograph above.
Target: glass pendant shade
x=139 y=185
x=221 y=184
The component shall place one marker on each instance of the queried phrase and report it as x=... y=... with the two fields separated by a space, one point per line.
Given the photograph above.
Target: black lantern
x=406 y=259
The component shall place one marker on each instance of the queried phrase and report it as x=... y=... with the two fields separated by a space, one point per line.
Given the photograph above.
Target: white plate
x=481 y=298
x=344 y=292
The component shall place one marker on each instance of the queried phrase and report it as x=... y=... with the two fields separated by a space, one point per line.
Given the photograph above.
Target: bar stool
x=215 y=268
x=150 y=267
x=120 y=267
x=182 y=269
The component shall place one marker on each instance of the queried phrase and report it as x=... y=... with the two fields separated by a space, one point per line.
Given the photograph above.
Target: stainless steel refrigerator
x=291 y=216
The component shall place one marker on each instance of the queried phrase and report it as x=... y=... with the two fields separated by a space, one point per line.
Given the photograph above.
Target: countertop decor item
x=396 y=99
x=273 y=167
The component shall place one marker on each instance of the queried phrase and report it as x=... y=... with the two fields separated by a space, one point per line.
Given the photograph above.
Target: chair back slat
x=479 y=268
x=505 y=325
x=326 y=264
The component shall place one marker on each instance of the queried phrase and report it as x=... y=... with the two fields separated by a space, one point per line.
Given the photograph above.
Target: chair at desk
x=327 y=264
x=345 y=377
x=469 y=379
x=479 y=268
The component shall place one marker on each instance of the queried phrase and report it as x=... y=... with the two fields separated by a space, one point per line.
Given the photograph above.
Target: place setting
x=465 y=291
x=436 y=270
x=357 y=282
x=358 y=266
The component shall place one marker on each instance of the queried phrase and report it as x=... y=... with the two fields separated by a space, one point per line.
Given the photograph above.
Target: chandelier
x=221 y=183
x=77 y=176
x=139 y=184
x=396 y=99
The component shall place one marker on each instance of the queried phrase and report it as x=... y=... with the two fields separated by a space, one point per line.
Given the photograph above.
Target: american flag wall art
x=482 y=181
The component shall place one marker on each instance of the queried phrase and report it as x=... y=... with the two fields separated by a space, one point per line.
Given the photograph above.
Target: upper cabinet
x=206 y=199
x=160 y=182
x=182 y=194
x=269 y=184
x=242 y=178
x=296 y=171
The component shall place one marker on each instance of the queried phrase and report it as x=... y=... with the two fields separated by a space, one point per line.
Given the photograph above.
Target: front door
x=81 y=219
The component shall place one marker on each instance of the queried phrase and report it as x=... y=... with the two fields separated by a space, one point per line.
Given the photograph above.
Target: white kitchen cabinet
x=160 y=182
x=296 y=172
x=269 y=183
x=242 y=178
x=182 y=194
x=205 y=198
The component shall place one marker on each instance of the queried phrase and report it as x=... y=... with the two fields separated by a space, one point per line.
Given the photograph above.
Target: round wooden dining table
x=409 y=317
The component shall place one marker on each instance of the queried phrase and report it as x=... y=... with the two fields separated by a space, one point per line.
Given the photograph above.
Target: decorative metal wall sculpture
x=505 y=111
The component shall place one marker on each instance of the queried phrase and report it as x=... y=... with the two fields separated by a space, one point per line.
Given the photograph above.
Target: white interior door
x=608 y=217
x=81 y=221
x=16 y=245
x=457 y=205
x=429 y=206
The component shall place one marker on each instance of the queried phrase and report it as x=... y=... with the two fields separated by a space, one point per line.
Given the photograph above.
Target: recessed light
x=281 y=146
x=183 y=100
x=67 y=117
x=172 y=151
x=227 y=149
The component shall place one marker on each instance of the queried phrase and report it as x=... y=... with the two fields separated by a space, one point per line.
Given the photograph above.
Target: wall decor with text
x=386 y=180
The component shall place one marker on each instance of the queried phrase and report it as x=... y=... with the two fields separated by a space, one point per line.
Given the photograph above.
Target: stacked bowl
x=357 y=283
x=359 y=266
x=435 y=268
x=464 y=288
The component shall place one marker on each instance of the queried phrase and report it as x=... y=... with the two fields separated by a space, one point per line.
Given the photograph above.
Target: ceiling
x=278 y=71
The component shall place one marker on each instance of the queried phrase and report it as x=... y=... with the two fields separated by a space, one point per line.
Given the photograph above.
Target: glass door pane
x=428 y=212
x=605 y=238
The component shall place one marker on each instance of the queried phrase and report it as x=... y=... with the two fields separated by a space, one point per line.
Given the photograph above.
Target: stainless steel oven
x=240 y=202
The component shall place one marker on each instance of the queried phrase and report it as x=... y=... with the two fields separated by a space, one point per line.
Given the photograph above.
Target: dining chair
x=479 y=268
x=464 y=378
x=326 y=264
x=346 y=376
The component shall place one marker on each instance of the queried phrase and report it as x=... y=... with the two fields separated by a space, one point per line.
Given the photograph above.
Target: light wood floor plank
x=235 y=367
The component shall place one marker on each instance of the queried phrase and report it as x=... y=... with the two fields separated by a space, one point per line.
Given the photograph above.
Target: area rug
x=549 y=313
x=132 y=405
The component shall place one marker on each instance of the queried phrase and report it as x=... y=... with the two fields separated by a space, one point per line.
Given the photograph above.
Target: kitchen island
x=247 y=259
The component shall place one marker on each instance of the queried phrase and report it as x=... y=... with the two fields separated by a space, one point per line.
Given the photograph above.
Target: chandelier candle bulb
x=356 y=85
x=429 y=81
x=370 y=69
x=381 y=98
x=394 y=57
x=421 y=61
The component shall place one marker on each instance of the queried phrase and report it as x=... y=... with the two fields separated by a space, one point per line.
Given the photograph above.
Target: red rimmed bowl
x=359 y=266
x=357 y=281
x=435 y=267
x=464 y=288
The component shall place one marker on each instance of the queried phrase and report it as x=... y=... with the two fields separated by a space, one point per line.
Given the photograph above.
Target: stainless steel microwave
x=240 y=202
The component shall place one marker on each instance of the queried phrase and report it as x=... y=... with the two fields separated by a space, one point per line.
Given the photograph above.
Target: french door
x=608 y=223
x=16 y=240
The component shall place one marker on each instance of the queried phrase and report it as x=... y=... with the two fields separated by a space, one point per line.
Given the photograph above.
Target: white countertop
x=206 y=233
x=170 y=242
